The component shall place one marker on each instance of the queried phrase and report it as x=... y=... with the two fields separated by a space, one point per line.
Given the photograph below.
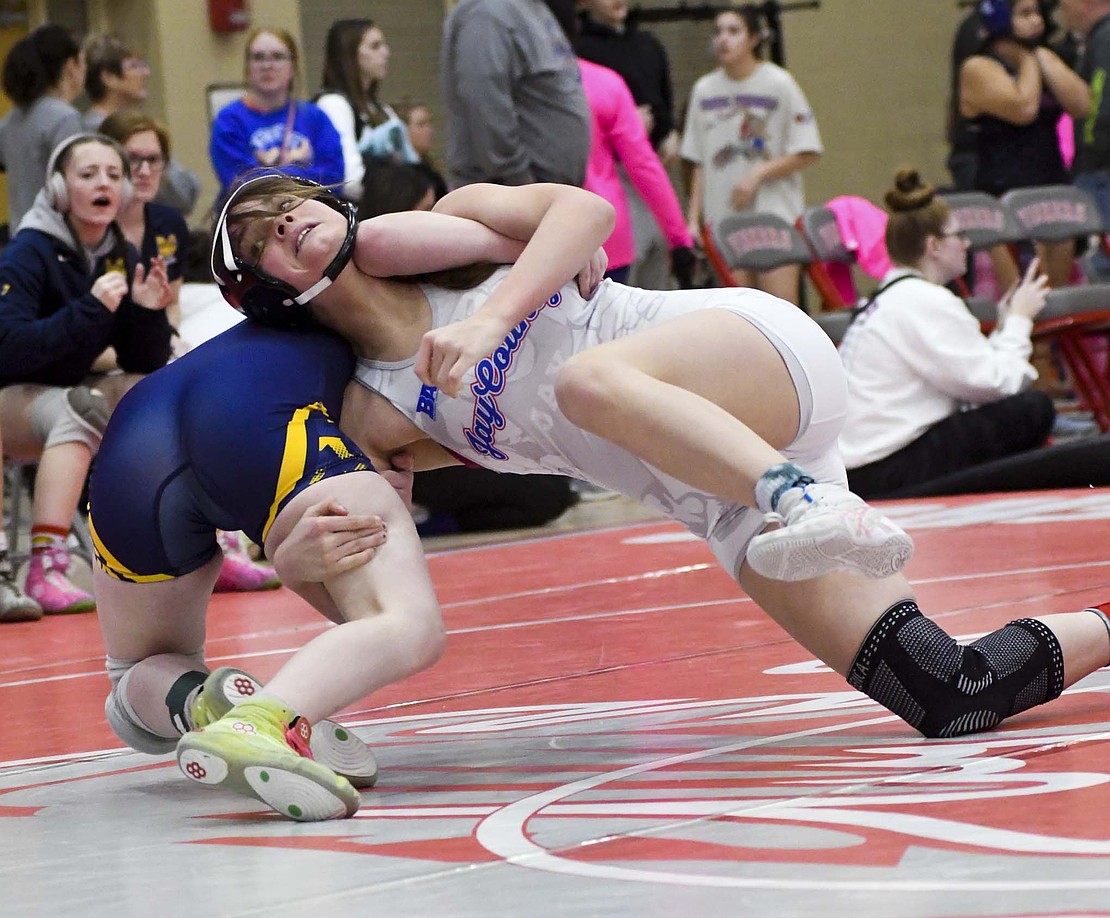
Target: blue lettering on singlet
x=490 y=378
x=426 y=401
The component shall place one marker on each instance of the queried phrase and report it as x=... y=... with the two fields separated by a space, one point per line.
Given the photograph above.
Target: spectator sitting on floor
x=928 y=394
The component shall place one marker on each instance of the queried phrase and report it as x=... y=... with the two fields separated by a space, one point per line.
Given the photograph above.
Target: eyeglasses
x=269 y=57
x=136 y=65
x=955 y=234
x=155 y=161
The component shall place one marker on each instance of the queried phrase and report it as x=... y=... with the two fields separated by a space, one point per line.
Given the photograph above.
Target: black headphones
x=255 y=293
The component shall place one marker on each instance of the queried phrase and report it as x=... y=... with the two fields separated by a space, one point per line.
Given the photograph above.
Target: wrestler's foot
x=826 y=528
x=48 y=585
x=332 y=744
x=239 y=574
x=260 y=749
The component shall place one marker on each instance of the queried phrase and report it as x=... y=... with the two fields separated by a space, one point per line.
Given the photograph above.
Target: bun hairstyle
x=916 y=213
x=909 y=192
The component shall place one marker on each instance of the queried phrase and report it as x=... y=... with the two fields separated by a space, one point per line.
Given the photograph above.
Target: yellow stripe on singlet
x=293 y=459
x=111 y=565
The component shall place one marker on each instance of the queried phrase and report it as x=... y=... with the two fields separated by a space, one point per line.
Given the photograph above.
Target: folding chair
x=821 y=232
x=1072 y=315
x=754 y=242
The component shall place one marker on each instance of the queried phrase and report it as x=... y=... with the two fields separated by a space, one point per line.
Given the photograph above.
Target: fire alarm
x=228 y=15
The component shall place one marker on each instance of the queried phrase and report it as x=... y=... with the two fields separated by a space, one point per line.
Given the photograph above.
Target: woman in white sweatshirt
x=928 y=393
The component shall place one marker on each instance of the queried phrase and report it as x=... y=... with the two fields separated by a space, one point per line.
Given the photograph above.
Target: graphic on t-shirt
x=267 y=141
x=752 y=114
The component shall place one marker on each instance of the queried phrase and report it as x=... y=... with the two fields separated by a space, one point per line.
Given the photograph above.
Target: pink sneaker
x=239 y=574
x=49 y=586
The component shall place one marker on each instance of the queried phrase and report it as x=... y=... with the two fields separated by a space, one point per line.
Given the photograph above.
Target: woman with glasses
x=928 y=394
x=270 y=126
x=154 y=229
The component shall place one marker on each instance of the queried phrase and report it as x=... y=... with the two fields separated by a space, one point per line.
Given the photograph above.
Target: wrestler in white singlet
x=506 y=418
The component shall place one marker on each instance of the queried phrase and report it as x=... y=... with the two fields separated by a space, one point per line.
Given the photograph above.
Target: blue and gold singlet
x=221 y=439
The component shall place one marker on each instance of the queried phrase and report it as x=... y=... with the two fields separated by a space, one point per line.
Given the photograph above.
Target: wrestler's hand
x=326 y=541
x=400 y=476
x=151 y=289
x=593 y=274
x=446 y=354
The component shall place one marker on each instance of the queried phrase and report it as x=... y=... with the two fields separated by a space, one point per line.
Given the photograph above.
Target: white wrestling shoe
x=332 y=744
x=825 y=528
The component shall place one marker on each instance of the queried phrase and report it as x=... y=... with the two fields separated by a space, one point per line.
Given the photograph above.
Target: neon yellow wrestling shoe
x=332 y=744
x=260 y=749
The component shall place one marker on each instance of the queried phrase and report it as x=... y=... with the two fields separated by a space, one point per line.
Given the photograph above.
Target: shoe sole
x=26 y=613
x=291 y=785
x=803 y=557
x=75 y=609
x=332 y=744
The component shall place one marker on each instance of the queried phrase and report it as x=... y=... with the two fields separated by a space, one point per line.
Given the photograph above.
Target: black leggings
x=967 y=438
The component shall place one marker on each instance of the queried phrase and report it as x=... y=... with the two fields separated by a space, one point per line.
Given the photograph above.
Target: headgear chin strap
x=257 y=294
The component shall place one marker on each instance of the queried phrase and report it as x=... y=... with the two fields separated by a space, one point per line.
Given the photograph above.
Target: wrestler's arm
x=416 y=242
x=564 y=227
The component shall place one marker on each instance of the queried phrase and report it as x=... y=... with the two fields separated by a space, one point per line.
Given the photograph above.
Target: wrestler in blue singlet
x=220 y=439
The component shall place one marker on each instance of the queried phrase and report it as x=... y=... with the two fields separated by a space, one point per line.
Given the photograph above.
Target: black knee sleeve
x=912 y=667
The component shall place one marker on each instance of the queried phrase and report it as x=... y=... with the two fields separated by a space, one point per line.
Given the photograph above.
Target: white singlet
x=506 y=418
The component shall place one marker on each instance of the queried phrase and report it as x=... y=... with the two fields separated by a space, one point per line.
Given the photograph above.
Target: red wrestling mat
x=614 y=729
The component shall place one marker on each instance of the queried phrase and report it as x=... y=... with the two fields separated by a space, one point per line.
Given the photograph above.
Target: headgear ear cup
x=57 y=195
x=997 y=17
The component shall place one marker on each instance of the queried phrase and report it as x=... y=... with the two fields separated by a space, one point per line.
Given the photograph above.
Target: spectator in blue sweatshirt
x=270 y=126
x=74 y=301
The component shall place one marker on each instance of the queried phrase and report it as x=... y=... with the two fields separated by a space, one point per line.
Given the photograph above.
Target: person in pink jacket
x=617 y=134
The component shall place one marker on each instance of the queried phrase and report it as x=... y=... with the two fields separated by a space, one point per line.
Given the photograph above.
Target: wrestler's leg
x=154 y=636
x=871 y=632
x=391 y=621
x=704 y=397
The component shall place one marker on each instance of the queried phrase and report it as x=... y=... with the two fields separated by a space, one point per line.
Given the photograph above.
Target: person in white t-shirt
x=749 y=134
x=928 y=393
x=356 y=61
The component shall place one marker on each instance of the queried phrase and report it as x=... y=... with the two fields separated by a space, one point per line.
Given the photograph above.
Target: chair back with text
x=826 y=244
x=1076 y=318
x=758 y=242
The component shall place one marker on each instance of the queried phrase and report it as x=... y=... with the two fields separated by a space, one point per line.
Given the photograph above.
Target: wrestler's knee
x=585 y=388
x=426 y=640
x=942 y=688
x=129 y=677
